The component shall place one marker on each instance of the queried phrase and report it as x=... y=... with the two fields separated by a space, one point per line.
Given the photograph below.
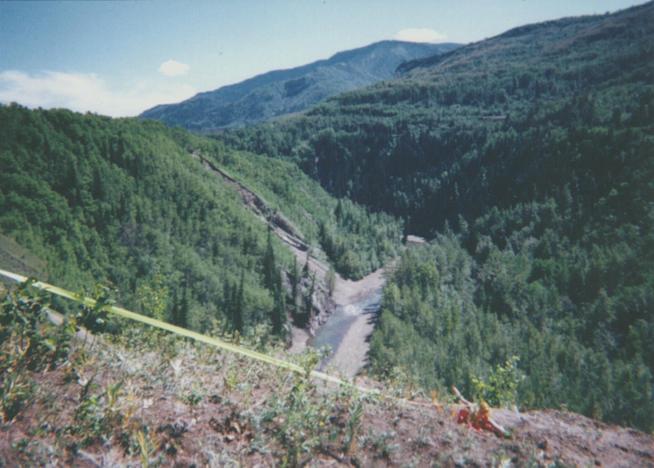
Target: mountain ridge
x=280 y=92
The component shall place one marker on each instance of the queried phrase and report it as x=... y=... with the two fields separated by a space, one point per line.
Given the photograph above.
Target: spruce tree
x=279 y=309
x=238 y=305
x=183 y=309
x=269 y=264
x=295 y=289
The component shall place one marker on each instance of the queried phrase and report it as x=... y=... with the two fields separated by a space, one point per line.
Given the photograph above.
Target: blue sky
x=121 y=57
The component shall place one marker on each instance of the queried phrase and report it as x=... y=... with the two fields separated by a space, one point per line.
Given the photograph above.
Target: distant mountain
x=282 y=92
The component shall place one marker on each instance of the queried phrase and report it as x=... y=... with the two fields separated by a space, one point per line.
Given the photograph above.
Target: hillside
x=145 y=398
x=129 y=204
x=283 y=92
x=527 y=158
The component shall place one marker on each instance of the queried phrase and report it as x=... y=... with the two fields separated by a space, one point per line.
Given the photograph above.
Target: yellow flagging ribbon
x=178 y=330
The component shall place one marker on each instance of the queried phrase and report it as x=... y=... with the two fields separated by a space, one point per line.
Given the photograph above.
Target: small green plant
x=97 y=415
x=353 y=424
x=112 y=414
x=380 y=443
x=331 y=281
x=310 y=358
x=501 y=387
x=193 y=398
x=21 y=445
x=91 y=423
x=301 y=419
x=231 y=379
x=401 y=384
x=146 y=446
x=15 y=390
x=94 y=318
x=29 y=341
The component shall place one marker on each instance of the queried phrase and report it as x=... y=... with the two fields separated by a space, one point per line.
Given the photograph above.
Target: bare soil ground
x=182 y=405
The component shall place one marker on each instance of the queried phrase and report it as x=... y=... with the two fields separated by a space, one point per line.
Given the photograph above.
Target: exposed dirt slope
x=181 y=405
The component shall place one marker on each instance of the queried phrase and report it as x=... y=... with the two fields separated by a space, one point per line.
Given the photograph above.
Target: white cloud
x=420 y=35
x=173 y=68
x=85 y=92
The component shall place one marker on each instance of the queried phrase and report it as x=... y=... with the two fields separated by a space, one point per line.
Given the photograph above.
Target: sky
x=121 y=57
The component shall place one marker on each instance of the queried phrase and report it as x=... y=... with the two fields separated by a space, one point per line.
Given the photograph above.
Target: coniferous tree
x=269 y=265
x=184 y=309
x=174 y=311
x=279 y=309
x=238 y=305
x=295 y=289
x=305 y=269
x=308 y=301
x=227 y=304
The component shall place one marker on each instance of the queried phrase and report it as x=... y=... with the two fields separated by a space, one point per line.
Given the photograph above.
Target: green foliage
x=15 y=391
x=353 y=424
x=305 y=422
x=355 y=240
x=152 y=297
x=90 y=419
x=302 y=420
x=193 y=398
x=527 y=157
x=122 y=202
x=331 y=281
x=501 y=387
x=95 y=319
x=28 y=342
x=126 y=203
x=452 y=318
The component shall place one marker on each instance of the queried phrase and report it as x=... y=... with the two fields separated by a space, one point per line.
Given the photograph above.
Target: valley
x=407 y=253
x=346 y=320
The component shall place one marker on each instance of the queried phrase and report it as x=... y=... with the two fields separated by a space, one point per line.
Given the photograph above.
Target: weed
x=353 y=425
x=380 y=443
x=91 y=422
x=301 y=420
x=28 y=342
x=112 y=414
x=193 y=398
x=21 y=445
x=146 y=446
x=231 y=379
x=15 y=390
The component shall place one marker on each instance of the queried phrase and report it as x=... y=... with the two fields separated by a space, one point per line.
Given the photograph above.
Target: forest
x=123 y=203
x=527 y=158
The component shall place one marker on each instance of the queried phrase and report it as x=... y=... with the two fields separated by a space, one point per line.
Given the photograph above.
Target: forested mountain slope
x=282 y=92
x=124 y=202
x=409 y=145
x=530 y=158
